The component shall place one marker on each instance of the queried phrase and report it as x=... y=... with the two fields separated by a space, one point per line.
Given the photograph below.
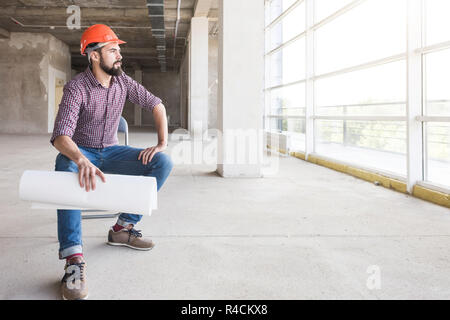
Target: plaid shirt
x=90 y=113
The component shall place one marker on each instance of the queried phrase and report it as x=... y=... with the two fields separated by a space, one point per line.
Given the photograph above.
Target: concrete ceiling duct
x=176 y=28
x=156 y=14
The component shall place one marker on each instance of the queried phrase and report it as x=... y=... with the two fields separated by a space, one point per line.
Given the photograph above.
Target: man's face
x=110 y=59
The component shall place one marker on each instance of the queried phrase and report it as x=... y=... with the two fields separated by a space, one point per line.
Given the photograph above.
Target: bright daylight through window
x=357 y=90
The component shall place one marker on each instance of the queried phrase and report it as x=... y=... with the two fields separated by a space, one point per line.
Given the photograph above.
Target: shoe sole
x=85 y=298
x=127 y=245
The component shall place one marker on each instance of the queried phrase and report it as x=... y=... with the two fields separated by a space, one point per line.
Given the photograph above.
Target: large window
x=285 y=52
x=341 y=69
x=287 y=65
x=436 y=21
x=436 y=69
x=288 y=27
x=373 y=30
x=379 y=90
x=325 y=8
x=276 y=8
x=370 y=92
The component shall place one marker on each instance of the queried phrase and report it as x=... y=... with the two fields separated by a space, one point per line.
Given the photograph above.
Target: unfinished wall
x=27 y=60
x=166 y=86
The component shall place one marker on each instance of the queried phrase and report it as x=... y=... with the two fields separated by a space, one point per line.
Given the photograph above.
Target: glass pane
x=288 y=112
x=378 y=91
x=275 y=8
x=325 y=8
x=289 y=125
x=277 y=124
x=373 y=30
x=438 y=152
x=288 y=64
x=290 y=26
x=294 y=128
x=372 y=144
x=437 y=80
x=437 y=22
x=297 y=137
x=291 y=97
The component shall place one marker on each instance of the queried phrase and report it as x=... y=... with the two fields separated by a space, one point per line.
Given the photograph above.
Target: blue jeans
x=116 y=159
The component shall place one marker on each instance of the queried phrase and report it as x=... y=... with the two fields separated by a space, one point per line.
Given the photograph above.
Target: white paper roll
x=121 y=193
x=48 y=206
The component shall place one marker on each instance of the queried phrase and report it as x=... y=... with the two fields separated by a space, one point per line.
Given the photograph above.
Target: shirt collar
x=94 y=80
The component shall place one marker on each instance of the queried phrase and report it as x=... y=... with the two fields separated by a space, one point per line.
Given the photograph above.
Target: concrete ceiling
x=140 y=50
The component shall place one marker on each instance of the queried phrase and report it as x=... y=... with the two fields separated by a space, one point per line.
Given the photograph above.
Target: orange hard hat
x=97 y=33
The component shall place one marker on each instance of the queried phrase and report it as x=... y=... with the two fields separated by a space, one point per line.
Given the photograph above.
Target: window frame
x=415 y=119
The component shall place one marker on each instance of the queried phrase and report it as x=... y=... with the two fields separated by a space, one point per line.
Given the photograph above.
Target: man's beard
x=111 y=71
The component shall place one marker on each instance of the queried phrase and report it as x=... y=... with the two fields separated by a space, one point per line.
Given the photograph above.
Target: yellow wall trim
x=298 y=155
x=432 y=195
x=278 y=150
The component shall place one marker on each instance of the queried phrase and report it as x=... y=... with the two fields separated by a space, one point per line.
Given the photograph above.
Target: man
x=85 y=134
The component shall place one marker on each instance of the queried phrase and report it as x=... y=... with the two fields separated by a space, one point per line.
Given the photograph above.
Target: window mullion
x=414 y=155
x=309 y=65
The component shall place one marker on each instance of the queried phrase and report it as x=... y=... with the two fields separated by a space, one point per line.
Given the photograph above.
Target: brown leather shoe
x=129 y=237
x=73 y=284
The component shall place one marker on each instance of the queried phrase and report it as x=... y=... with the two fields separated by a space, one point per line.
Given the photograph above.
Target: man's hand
x=147 y=154
x=87 y=172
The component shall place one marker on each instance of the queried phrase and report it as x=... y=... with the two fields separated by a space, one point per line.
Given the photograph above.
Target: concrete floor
x=306 y=233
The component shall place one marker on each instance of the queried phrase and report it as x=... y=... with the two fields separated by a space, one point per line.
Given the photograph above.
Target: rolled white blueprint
x=48 y=206
x=121 y=193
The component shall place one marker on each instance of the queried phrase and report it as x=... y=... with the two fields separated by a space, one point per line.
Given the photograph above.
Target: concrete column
x=137 y=108
x=184 y=90
x=198 y=77
x=240 y=95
